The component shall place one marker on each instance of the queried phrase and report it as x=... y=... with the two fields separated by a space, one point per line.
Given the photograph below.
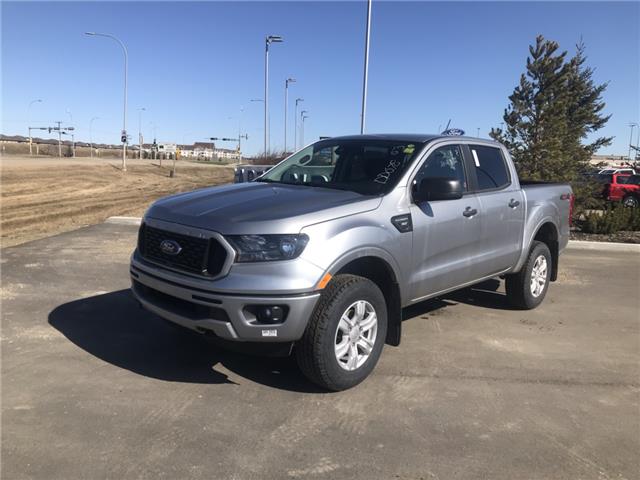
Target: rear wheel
x=527 y=288
x=345 y=335
x=630 y=201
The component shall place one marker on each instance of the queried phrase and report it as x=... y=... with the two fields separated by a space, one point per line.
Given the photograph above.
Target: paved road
x=93 y=387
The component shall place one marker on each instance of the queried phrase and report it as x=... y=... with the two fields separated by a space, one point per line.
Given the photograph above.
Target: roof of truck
x=407 y=137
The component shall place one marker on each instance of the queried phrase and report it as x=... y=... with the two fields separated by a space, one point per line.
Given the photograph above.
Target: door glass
x=491 y=169
x=445 y=162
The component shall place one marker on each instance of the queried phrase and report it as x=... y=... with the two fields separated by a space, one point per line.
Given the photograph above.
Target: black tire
x=518 y=285
x=630 y=201
x=315 y=352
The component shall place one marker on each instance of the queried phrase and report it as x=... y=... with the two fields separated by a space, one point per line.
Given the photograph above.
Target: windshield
x=368 y=167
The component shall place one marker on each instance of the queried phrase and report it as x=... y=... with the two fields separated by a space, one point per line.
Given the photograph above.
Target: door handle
x=513 y=203
x=469 y=212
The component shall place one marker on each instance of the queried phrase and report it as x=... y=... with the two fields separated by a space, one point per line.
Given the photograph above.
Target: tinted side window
x=491 y=169
x=445 y=162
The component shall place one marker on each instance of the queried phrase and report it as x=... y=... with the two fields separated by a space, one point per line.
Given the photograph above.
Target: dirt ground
x=45 y=196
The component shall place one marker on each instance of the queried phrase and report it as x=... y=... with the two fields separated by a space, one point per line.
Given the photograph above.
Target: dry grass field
x=45 y=196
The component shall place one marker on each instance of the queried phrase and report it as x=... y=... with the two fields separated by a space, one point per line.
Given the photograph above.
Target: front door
x=445 y=232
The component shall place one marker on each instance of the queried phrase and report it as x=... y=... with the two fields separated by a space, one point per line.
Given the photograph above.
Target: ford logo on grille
x=170 y=247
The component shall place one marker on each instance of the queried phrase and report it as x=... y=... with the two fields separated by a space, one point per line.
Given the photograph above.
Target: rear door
x=502 y=205
x=445 y=232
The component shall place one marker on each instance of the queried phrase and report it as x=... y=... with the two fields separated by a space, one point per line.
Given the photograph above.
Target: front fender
x=335 y=243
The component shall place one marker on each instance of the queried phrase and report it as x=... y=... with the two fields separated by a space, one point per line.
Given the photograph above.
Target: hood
x=259 y=208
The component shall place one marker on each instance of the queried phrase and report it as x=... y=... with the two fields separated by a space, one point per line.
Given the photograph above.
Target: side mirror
x=437 y=188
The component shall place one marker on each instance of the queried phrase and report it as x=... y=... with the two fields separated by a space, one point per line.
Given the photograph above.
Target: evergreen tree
x=551 y=112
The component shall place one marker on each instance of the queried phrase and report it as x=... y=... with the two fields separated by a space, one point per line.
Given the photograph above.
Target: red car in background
x=622 y=188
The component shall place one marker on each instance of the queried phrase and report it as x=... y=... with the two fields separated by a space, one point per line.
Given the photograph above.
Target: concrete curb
x=573 y=244
x=605 y=246
x=124 y=220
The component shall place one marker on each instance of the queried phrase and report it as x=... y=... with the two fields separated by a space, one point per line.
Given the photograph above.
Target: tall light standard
x=295 y=125
x=256 y=100
x=302 y=113
x=632 y=124
x=269 y=39
x=140 y=140
x=286 y=106
x=304 y=117
x=366 y=69
x=29 y=122
x=91 y=134
x=73 y=138
x=123 y=137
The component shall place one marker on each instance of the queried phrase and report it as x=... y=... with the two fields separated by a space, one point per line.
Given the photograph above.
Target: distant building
x=207 y=151
x=610 y=160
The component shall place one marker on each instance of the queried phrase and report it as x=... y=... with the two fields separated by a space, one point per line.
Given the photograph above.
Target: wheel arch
x=380 y=272
x=547 y=233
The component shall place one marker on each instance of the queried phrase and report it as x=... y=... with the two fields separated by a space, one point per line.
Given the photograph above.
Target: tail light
x=571 y=197
x=572 y=200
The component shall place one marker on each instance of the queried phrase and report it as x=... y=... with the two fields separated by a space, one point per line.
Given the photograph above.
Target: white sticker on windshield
x=475 y=157
x=384 y=176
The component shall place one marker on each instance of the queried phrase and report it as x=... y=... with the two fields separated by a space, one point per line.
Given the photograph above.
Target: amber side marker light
x=324 y=280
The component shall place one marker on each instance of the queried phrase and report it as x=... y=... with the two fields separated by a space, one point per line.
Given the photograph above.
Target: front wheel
x=527 y=288
x=345 y=335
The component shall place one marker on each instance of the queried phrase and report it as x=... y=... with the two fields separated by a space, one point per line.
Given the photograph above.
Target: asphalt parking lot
x=93 y=387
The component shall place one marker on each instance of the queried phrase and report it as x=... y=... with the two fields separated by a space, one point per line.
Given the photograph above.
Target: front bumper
x=223 y=314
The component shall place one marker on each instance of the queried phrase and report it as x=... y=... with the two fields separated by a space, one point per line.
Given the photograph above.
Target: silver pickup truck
x=322 y=252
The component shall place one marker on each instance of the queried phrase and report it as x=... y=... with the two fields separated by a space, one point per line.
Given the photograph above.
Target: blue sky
x=195 y=65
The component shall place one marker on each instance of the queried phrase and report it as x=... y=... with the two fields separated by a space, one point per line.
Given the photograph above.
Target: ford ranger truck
x=322 y=252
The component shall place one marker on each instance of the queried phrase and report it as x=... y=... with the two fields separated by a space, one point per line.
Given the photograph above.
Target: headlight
x=267 y=248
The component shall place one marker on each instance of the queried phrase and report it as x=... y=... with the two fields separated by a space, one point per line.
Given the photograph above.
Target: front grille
x=202 y=256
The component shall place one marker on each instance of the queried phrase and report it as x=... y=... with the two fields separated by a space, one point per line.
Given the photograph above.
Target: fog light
x=270 y=314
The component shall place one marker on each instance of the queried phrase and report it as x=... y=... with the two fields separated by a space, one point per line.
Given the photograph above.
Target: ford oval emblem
x=170 y=247
x=452 y=132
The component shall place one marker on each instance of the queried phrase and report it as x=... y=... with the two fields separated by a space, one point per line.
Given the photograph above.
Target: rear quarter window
x=490 y=167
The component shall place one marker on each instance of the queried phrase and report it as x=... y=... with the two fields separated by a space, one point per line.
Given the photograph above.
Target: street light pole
x=124 y=113
x=295 y=125
x=29 y=123
x=632 y=124
x=269 y=39
x=73 y=138
x=366 y=69
x=286 y=107
x=302 y=127
x=91 y=134
x=304 y=117
x=140 y=110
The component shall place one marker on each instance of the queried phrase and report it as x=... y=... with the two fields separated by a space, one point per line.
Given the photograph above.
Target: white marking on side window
x=475 y=158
